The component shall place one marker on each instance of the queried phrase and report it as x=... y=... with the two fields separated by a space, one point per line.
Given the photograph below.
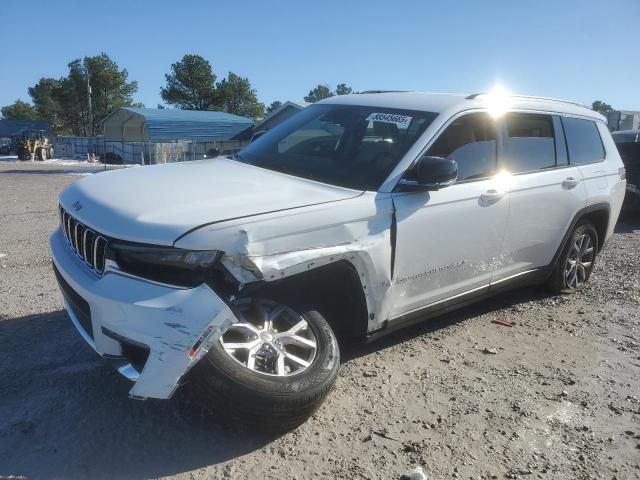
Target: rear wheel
x=273 y=368
x=575 y=264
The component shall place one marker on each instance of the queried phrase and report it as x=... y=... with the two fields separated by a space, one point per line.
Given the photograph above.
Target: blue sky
x=577 y=50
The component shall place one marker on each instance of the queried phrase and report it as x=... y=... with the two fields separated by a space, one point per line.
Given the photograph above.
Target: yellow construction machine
x=34 y=147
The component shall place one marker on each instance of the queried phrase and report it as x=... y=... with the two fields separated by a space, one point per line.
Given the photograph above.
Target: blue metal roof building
x=129 y=124
x=18 y=128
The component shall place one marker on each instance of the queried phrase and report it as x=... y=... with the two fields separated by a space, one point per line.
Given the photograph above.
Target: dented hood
x=157 y=204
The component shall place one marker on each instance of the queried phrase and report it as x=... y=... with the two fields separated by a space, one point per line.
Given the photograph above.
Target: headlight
x=174 y=266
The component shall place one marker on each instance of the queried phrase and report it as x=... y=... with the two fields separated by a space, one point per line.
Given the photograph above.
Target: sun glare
x=503 y=180
x=498 y=101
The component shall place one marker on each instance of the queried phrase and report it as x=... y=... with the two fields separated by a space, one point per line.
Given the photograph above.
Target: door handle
x=492 y=195
x=570 y=182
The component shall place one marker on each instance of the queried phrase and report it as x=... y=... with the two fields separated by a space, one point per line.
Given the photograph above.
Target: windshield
x=346 y=145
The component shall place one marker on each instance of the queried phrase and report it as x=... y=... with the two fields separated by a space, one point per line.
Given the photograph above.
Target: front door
x=447 y=241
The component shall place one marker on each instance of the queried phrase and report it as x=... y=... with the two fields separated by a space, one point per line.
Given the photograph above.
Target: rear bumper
x=125 y=313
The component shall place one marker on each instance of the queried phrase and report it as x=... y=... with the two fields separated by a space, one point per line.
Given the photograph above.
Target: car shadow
x=64 y=413
x=509 y=299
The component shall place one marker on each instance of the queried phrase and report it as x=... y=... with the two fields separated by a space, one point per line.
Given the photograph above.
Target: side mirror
x=432 y=173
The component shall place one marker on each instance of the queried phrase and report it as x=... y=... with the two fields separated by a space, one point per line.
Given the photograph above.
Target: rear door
x=545 y=191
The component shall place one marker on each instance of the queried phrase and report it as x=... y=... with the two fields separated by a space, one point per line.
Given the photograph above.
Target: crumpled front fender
x=278 y=245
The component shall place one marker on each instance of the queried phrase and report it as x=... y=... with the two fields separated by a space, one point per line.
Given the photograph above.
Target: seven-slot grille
x=89 y=245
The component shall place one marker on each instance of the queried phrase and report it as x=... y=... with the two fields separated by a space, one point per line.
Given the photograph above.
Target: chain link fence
x=141 y=153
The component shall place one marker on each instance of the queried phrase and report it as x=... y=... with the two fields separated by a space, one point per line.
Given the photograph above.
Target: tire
x=43 y=154
x=228 y=388
x=23 y=154
x=562 y=277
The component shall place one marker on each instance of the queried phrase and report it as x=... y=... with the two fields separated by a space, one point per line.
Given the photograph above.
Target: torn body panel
x=279 y=245
x=169 y=321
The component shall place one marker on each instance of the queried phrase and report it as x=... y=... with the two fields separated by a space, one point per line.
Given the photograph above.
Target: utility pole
x=90 y=112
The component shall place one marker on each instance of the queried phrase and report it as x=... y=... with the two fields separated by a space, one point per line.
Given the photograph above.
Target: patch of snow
x=78 y=172
x=59 y=161
x=67 y=162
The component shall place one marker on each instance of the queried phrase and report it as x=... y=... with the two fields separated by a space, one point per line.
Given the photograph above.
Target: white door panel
x=596 y=182
x=447 y=241
x=541 y=208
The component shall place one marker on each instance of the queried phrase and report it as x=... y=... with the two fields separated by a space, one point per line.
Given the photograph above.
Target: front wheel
x=273 y=368
x=24 y=154
x=575 y=264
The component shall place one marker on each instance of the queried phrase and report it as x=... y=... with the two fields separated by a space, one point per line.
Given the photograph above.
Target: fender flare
x=596 y=207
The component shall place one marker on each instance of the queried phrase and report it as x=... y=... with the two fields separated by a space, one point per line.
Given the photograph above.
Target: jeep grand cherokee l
x=358 y=215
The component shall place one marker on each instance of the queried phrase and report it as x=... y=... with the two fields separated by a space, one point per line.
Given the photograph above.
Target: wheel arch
x=598 y=214
x=335 y=290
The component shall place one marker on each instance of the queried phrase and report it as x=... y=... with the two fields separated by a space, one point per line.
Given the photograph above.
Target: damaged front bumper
x=167 y=329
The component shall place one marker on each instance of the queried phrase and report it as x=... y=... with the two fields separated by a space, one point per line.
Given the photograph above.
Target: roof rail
x=551 y=99
x=533 y=97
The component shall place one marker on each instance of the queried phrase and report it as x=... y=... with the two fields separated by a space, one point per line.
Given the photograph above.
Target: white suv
x=358 y=215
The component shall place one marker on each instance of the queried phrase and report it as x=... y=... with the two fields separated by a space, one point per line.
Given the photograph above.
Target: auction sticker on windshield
x=402 y=121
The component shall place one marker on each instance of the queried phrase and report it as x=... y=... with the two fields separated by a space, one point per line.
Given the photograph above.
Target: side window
x=583 y=140
x=470 y=141
x=529 y=143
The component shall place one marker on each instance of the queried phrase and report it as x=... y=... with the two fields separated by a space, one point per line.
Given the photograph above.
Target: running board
x=522 y=279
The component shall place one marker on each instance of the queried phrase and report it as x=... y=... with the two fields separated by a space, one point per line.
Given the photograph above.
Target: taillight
x=623 y=173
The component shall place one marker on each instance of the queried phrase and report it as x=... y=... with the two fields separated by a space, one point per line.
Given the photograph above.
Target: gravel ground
x=555 y=396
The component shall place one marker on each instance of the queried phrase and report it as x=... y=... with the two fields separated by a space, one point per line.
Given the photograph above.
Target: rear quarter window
x=583 y=140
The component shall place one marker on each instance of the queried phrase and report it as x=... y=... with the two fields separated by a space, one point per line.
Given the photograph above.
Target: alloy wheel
x=579 y=261
x=270 y=338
